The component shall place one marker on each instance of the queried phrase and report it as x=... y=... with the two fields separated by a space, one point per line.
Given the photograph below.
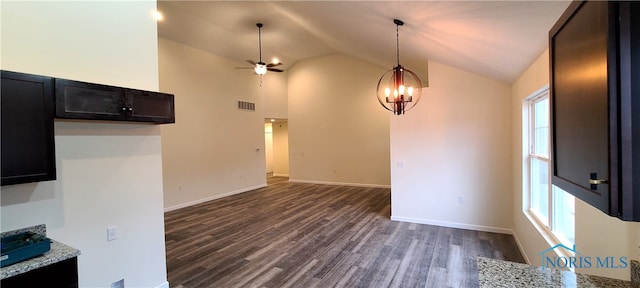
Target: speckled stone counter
x=497 y=273
x=58 y=252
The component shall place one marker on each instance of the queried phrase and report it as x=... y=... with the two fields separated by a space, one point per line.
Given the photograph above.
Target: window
x=550 y=207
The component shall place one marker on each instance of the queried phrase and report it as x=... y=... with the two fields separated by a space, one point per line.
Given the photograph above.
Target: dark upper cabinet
x=28 y=153
x=81 y=100
x=148 y=106
x=595 y=104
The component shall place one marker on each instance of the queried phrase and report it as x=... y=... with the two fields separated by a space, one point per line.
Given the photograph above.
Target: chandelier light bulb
x=401 y=89
x=387 y=92
x=410 y=91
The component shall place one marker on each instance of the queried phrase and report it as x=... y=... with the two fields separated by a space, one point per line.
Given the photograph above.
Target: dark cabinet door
x=149 y=106
x=28 y=153
x=580 y=101
x=81 y=100
x=629 y=110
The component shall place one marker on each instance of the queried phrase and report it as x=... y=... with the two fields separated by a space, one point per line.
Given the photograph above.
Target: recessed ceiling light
x=275 y=60
x=157 y=15
x=273 y=120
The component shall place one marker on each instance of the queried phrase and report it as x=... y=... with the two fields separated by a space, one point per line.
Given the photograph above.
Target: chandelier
x=399 y=89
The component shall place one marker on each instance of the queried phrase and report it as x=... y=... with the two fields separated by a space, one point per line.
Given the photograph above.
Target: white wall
x=597 y=234
x=275 y=98
x=214 y=149
x=281 y=148
x=107 y=173
x=455 y=142
x=533 y=79
x=268 y=146
x=338 y=133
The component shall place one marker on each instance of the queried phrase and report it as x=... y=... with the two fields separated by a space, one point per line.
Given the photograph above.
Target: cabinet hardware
x=594 y=181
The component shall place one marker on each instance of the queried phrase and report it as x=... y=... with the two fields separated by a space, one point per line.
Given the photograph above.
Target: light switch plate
x=112 y=233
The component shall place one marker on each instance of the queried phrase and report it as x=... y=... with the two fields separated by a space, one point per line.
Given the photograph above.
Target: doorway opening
x=276 y=137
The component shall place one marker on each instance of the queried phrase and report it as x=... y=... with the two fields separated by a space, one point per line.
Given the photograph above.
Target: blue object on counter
x=22 y=246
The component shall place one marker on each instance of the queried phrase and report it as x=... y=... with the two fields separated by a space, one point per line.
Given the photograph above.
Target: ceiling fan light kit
x=399 y=89
x=260 y=69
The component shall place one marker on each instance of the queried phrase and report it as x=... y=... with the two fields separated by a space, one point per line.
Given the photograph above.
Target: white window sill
x=548 y=236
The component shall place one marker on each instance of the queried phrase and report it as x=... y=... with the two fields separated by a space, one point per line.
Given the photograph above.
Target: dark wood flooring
x=311 y=235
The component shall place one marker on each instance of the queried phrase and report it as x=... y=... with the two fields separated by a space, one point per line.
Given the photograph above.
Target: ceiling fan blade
x=251 y=62
x=273 y=65
x=275 y=70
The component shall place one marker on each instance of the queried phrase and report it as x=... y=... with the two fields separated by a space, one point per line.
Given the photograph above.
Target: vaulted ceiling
x=496 y=39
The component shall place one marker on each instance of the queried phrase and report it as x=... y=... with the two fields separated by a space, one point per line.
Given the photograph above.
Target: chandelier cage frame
x=405 y=84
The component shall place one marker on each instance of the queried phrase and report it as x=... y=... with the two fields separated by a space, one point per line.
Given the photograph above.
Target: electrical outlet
x=118 y=284
x=460 y=199
x=400 y=164
x=112 y=233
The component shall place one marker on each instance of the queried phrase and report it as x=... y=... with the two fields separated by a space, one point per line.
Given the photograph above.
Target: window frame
x=548 y=229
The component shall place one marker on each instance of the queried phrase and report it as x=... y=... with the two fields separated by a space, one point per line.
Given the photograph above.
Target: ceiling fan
x=260 y=67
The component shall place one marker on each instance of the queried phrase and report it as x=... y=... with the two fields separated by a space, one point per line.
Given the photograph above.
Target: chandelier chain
x=398 y=43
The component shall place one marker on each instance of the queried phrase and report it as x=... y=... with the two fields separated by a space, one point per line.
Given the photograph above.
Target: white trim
x=280 y=175
x=549 y=237
x=163 y=285
x=544 y=231
x=454 y=225
x=214 y=197
x=520 y=247
x=341 y=183
x=537 y=93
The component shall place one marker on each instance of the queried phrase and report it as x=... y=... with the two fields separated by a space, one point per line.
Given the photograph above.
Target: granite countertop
x=59 y=252
x=499 y=273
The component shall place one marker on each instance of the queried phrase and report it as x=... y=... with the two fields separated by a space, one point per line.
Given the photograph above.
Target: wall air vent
x=242 y=105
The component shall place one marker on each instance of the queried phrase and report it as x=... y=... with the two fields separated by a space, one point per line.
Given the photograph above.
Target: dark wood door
x=28 y=153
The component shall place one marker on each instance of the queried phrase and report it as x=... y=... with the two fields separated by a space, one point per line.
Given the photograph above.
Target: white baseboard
x=341 y=183
x=454 y=225
x=163 y=285
x=280 y=175
x=524 y=255
x=214 y=197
